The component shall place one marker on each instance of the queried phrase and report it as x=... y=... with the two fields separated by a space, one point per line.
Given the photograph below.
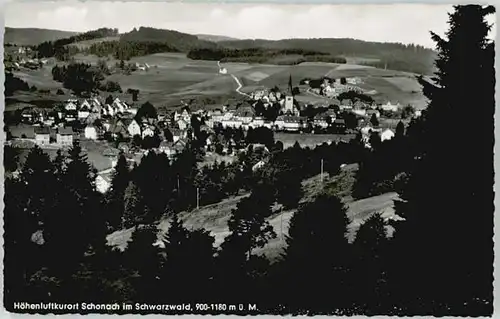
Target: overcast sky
x=406 y=23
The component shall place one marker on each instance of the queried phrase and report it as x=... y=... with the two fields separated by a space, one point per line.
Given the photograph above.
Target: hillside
x=215 y=38
x=181 y=41
x=397 y=56
x=34 y=36
x=214 y=218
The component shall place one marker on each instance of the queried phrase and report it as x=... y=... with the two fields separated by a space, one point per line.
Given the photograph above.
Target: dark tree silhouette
x=374 y=120
x=437 y=206
x=317 y=247
x=116 y=193
x=369 y=273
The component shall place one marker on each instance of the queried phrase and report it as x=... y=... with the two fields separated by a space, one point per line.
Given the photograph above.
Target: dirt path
x=238 y=83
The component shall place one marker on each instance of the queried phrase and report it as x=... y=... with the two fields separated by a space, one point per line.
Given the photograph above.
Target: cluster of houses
x=332 y=89
x=39 y=123
x=385 y=134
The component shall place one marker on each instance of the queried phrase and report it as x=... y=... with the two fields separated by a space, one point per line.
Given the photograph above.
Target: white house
x=387 y=135
x=257 y=122
x=134 y=128
x=148 y=131
x=359 y=112
x=42 y=135
x=259 y=165
x=90 y=132
x=183 y=124
x=64 y=136
x=234 y=123
x=83 y=114
x=103 y=182
x=390 y=107
x=321 y=121
x=70 y=106
x=292 y=124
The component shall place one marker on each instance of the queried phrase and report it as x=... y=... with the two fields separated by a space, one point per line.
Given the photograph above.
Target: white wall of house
x=101 y=184
x=91 y=133
x=134 y=128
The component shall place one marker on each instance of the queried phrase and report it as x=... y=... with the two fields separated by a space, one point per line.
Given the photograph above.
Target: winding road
x=238 y=83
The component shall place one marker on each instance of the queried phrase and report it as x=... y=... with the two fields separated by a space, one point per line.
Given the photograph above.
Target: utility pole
x=321 y=170
x=197 y=197
x=281 y=223
x=178 y=184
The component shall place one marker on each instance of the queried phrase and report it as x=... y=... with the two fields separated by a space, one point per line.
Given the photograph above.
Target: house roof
x=65 y=131
x=42 y=130
x=175 y=131
x=19 y=130
x=339 y=121
x=105 y=177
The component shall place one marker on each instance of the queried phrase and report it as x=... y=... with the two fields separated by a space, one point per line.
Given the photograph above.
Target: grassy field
x=173 y=76
x=311 y=140
x=214 y=217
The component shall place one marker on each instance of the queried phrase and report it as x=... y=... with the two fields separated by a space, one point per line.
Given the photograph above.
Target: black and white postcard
x=248 y=158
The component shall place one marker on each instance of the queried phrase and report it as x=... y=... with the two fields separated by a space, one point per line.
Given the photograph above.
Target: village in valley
x=153 y=171
x=116 y=127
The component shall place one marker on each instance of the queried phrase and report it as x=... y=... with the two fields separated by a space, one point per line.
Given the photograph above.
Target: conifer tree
x=448 y=204
x=249 y=230
x=135 y=209
x=23 y=257
x=374 y=120
x=143 y=258
x=400 y=129
x=189 y=266
x=116 y=193
x=317 y=255
x=369 y=273
x=38 y=177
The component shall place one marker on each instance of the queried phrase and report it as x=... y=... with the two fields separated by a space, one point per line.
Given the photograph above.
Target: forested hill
x=34 y=36
x=181 y=41
x=147 y=40
x=412 y=58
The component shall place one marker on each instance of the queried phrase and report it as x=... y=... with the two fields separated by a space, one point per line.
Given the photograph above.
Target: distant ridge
x=34 y=36
x=215 y=38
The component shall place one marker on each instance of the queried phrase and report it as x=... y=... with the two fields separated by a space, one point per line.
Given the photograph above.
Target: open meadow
x=172 y=77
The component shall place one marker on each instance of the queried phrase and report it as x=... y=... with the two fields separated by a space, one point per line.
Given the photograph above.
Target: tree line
x=61 y=49
x=261 y=55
